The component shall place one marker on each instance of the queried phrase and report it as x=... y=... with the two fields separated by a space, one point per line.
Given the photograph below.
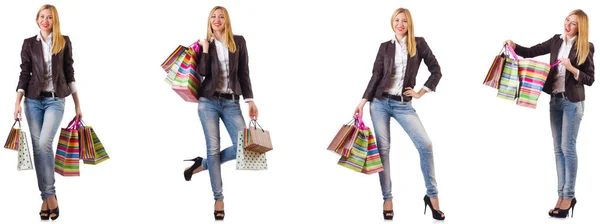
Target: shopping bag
x=24 y=157
x=66 y=161
x=373 y=161
x=509 y=80
x=358 y=153
x=257 y=139
x=98 y=153
x=492 y=78
x=12 y=142
x=532 y=77
x=344 y=139
x=182 y=75
x=249 y=160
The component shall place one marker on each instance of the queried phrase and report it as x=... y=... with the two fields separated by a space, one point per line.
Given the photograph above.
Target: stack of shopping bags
x=17 y=140
x=253 y=143
x=356 y=144
x=77 y=142
x=521 y=79
x=182 y=74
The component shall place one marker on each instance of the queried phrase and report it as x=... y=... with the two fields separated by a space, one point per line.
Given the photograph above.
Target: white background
x=310 y=62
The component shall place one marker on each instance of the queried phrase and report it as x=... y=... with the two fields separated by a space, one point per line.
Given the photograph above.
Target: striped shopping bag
x=92 y=151
x=257 y=139
x=373 y=161
x=12 y=142
x=532 y=77
x=66 y=161
x=344 y=139
x=182 y=75
x=509 y=80
x=492 y=79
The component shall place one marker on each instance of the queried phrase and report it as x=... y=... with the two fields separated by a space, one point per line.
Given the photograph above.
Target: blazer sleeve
x=432 y=64
x=203 y=62
x=586 y=70
x=25 y=67
x=377 y=74
x=243 y=71
x=537 y=50
x=68 y=61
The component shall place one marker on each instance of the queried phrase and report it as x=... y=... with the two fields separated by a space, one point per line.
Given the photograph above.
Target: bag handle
x=359 y=121
x=74 y=124
x=512 y=51
x=253 y=121
x=196 y=47
x=17 y=121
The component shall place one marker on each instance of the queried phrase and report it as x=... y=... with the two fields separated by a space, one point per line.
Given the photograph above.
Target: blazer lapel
x=554 y=50
x=38 y=59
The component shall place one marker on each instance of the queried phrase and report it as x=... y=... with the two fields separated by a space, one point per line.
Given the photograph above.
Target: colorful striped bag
x=509 y=80
x=257 y=140
x=532 y=77
x=91 y=149
x=364 y=156
x=66 y=161
x=493 y=76
x=12 y=142
x=182 y=75
x=344 y=139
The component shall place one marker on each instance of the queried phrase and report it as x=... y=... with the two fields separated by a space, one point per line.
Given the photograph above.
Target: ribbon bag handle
x=74 y=124
x=252 y=121
x=510 y=48
x=359 y=122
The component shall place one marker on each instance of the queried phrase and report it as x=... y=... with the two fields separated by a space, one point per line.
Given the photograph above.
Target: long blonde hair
x=58 y=41
x=583 y=45
x=411 y=43
x=227 y=33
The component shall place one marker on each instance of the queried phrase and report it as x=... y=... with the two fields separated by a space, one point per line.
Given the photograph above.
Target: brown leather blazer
x=383 y=69
x=32 y=69
x=573 y=88
x=239 y=75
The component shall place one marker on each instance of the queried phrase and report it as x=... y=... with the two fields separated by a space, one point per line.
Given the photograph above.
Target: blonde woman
x=46 y=79
x=565 y=84
x=390 y=92
x=224 y=65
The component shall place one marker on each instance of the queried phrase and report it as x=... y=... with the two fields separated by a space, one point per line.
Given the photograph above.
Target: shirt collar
x=48 y=39
x=403 y=39
x=570 y=41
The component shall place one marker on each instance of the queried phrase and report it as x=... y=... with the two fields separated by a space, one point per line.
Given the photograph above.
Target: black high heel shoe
x=54 y=211
x=437 y=214
x=551 y=212
x=388 y=214
x=564 y=213
x=187 y=174
x=44 y=214
x=219 y=214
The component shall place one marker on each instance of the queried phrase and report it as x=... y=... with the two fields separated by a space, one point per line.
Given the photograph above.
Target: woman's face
x=45 y=20
x=217 y=20
x=571 y=25
x=400 y=24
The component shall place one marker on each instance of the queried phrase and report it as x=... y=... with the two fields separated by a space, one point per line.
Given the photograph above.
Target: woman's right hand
x=17 y=112
x=359 y=108
x=204 y=44
x=511 y=43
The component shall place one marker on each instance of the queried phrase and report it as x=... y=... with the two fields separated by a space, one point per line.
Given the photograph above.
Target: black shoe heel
x=219 y=215
x=44 y=217
x=564 y=213
x=436 y=214
x=187 y=174
x=388 y=214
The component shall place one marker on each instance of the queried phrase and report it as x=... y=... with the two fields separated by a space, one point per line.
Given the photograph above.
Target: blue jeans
x=381 y=112
x=44 y=117
x=209 y=111
x=565 y=117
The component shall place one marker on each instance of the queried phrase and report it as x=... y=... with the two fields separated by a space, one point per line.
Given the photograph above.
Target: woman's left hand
x=252 y=110
x=410 y=92
x=78 y=114
x=566 y=62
